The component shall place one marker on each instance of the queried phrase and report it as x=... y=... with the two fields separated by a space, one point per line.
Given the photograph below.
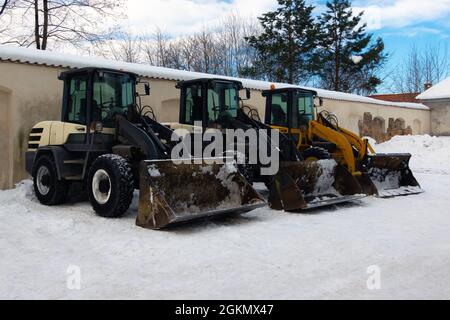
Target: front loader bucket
x=312 y=184
x=392 y=176
x=171 y=193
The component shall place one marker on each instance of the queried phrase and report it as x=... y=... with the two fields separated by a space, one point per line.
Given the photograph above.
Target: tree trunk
x=36 y=25
x=338 y=68
x=3 y=7
x=45 y=27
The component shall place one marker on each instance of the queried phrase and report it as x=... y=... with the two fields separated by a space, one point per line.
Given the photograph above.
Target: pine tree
x=348 y=58
x=285 y=47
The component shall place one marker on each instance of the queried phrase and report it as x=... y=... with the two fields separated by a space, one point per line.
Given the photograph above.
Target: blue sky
x=401 y=23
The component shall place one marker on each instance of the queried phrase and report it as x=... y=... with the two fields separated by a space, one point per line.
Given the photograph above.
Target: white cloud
x=403 y=13
x=187 y=16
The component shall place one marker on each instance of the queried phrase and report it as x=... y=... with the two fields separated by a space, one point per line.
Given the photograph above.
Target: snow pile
x=325 y=181
x=226 y=176
x=439 y=91
x=428 y=153
x=323 y=254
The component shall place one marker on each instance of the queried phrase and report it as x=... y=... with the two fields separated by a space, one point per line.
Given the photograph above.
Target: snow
x=153 y=171
x=323 y=254
x=326 y=179
x=430 y=154
x=26 y=55
x=439 y=91
x=357 y=59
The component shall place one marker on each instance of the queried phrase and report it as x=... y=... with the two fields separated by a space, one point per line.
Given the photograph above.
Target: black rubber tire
x=122 y=185
x=58 y=189
x=316 y=153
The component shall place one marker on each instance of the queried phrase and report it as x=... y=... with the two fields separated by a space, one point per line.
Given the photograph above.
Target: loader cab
x=290 y=110
x=212 y=102
x=94 y=97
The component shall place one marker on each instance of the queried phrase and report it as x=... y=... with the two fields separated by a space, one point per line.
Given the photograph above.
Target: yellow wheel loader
x=214 y=104
x=113 y=146
x=319 y=136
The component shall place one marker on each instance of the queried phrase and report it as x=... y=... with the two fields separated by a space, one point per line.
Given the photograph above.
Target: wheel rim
x=43 y=180
x=101 y=187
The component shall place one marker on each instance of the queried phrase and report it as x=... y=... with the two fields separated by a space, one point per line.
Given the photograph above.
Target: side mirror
x=147 y=89
x=248 y=94
x=321 y=102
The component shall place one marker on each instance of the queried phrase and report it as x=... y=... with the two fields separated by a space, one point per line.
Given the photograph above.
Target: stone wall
x=33 y=93
x=376 y=128
x=351 y=117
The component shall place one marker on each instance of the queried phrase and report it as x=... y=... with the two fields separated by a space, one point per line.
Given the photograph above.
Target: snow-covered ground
x=265 y=254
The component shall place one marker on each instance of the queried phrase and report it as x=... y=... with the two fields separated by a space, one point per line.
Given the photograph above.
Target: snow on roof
x=33 y=56
x=439 y=91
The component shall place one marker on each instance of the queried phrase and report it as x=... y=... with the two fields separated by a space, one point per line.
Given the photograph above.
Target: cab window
x=77 y=103
x=223 y=102
x=279 y=109
x=113 y=95
x=305 y=109
x=194 y=104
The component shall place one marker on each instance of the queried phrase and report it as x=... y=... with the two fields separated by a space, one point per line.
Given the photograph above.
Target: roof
x=278 y=90
x=206 y=80
x=439 y=91
x=398 y=97
x=88 y=70
x=46 y=58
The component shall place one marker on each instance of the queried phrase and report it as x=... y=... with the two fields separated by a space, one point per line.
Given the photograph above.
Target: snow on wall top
x=33 y=56
x=439 y=91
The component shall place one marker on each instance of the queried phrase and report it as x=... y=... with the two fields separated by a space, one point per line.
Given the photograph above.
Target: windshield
x=113 y=94
x=303 y=111
x=223 y=102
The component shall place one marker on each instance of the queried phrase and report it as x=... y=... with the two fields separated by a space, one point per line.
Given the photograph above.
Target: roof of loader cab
x=66 y=74
x=288 y=89
x=209 y=80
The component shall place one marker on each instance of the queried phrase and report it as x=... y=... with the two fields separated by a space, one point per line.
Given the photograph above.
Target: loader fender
x=29 y=161
x=58 y=153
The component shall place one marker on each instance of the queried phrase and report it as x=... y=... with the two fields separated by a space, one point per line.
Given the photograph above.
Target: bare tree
x=6 y=16
x=436 y=63
x=126 y=47
x=73 y=22
x=220 y=49
x=4 y=6
x=421 y=66
x=157 y=48
x=238 y=54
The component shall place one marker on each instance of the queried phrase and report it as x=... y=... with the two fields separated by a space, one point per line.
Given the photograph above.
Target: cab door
x=281 y=116
x=76 y=114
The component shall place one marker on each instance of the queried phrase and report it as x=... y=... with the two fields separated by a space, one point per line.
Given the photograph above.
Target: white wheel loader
x=107 y=142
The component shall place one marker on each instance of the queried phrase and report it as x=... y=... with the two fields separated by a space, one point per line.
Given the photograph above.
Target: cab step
x=77 y=161
x=75 y=178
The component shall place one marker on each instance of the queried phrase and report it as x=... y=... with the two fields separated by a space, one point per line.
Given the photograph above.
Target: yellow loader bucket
x=392 y=176
x=171 y=194
x=312 y=184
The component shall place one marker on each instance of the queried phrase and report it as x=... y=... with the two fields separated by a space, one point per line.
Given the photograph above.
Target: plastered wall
x=32 y=93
